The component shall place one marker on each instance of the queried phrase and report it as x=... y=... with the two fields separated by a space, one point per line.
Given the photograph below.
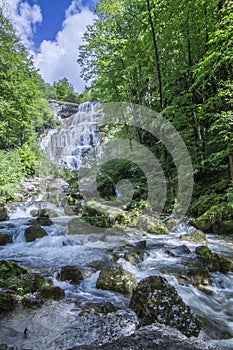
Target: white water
x=48 y=254
x=70 y=144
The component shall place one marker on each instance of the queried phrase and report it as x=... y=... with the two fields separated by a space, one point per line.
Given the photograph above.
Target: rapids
x=59 y=325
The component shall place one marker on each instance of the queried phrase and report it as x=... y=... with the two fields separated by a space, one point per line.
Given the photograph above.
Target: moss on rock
x=214 y=262
x=116 y=279
x=153 y=299
x=195 y=237
x=152 y=225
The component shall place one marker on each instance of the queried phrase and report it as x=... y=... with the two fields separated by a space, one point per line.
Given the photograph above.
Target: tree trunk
x=231 y=165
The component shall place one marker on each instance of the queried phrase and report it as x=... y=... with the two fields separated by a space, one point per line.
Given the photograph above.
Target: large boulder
x=70 y=273
x=152 y=225
x=218 y=219
x=214 y=262
x=33 y=232
x=5 y=239
x=154 y=299
x=116 y=279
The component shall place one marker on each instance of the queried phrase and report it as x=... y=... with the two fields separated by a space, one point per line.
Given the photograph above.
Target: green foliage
x=62 y=90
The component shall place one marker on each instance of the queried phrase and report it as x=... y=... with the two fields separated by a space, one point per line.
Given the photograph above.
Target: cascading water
x=70 y=144
x=63 y=324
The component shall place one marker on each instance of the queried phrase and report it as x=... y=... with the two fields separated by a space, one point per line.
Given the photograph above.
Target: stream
x=62 y=324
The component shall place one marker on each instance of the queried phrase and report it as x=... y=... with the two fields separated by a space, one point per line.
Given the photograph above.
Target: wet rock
x=218 y=219
x=132 y=253
x=52 y=292
x=172 y=224
x=56 y=190
x=196 y=275
x=79 y=226
x=18 y=279
x=5 y=239
x=43 y=216
x=153 y=299
x=91 y=308
x=70 y=273
x=116 y=279
x=214 y=262
x=178 y=251
x=112 y=215
x=8 y=301
x=152 y=225
x=3 y=213
x=33 y=232
x=32 y=301
x=154 y=337
x=195 y=237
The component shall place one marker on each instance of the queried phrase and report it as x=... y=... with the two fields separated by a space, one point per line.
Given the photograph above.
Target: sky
x=52 y=31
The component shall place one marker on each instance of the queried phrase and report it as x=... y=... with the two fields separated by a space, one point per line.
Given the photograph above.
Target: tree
x=23 y=106
x=64 y=91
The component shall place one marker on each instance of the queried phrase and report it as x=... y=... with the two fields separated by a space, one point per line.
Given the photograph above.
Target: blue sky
x=52 y=30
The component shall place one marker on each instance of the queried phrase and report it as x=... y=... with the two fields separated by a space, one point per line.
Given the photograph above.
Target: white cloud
x=55 y=59
x=24 y=17
x=58 y=59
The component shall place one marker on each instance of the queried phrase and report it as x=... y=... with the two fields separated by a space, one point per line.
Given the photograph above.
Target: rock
x=153 y=299
x=112 y=215
x=19 y=279
x=56 y=190
x=154 y=337
x=152 y=225
x=218 y=219
x=5 y=239
x=70 y=273
x=33 y=232
x=8 y=301
x=62 y=110
x=91 y=308
x=32 y=301
x=52 y=292
x=43 y=216
x=116 y=279
x=196 y=275
x=178 y=251
x=3 y=213
x=214 y=262
x=78 y=226
x=195 y=237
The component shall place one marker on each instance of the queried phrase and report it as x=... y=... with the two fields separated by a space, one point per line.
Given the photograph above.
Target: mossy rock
x=218 y=219
x=71 y=274
x=152 y=225
x=52 y=292
x=5 y=239
x=19 y=279
x=33 y=232
x=153 y=299
x=116 y=279
x=214 y=262
x=8 y=301
x=195 y=237
x=112 y=215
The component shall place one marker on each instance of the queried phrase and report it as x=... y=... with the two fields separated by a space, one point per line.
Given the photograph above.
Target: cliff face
x=62 y=110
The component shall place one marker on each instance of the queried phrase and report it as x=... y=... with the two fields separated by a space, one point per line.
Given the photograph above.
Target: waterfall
x=76 y=139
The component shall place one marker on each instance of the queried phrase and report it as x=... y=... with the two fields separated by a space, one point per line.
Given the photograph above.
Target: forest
x=176 y=58
x=173 y=57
